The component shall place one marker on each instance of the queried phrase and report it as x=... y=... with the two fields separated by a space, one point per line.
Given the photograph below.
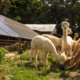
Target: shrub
x=2 y=55
x=20 y=51
x=24 y=48
x=57 y=70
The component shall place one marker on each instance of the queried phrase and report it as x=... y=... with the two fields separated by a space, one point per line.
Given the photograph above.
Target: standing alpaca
x=46 y=45
x=55 y=40
x=66 y=41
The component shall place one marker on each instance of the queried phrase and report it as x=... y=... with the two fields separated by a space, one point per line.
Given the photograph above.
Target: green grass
x=65 y=73
x=25 y=56
x=78 y=71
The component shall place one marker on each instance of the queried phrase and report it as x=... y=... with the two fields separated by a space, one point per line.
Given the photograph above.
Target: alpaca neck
x=55 y=54
x=77 y=57
x=65 y=36
x=75 y=37
x=60 y=41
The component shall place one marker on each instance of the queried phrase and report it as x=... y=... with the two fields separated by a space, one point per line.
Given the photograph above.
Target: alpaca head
x=65 y=25
x=69 y=62
x=63 y=57
x=76 y=35
x=69 y=31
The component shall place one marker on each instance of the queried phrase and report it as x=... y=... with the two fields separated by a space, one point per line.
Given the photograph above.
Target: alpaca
x=69 y=31
x=8 y=48
x=74 y=60
x=55 y=40
x=16 y=45
x=74 y=40
x=66 y=41
x=75 y=36
x=46 y=45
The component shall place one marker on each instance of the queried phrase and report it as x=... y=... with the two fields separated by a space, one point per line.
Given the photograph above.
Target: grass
x=22 y=69
x=65 y=73
x=78 y=71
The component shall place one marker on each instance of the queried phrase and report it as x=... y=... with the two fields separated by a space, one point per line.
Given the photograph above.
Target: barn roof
x=42 y=27
x=9 y=27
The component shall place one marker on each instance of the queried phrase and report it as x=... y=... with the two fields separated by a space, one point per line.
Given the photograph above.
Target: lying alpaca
x=9 y=48
x=15 y=45
x=71 y=61
x=66 y=41
x=46 y=45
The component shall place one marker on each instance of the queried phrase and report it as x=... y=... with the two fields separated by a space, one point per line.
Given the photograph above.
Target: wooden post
x=19 y=43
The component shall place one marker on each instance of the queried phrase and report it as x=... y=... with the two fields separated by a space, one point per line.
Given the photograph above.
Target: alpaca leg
x=71 y=52
x=39 y=53
x=31 y=54
x=52 y=56
x=45 y=57
x=42 y=57
x=35 y=55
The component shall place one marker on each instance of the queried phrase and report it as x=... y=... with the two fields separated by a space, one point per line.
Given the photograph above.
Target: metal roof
x=9 y=27
x=42 y=27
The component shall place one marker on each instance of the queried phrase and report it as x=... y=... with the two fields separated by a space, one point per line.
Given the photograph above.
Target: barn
x=43 y=28
x=12 y=31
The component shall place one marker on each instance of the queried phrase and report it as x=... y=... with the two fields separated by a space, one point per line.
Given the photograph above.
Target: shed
x=12 y=31
x=42 y=28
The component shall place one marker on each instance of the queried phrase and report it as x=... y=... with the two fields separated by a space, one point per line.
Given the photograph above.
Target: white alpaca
x=67 y=41
x=46 y=45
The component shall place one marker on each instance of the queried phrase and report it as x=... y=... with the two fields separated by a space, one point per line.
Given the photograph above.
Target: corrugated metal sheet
x=42 y=27
x=13 y=28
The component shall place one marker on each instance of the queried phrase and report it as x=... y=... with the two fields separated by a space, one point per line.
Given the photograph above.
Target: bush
x=20 y=51
x=24 y=48
x=57 y=70
x=2 y=55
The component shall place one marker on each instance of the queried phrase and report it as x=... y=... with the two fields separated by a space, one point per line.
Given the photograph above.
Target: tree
x=4 y=6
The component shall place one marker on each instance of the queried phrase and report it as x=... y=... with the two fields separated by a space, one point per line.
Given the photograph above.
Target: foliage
x=24 y=56
x=4 y=6
x=78 y=71
x=8 y=77
x=43 y=12
x=57 y=70
x=24 y=48
x=65 y=73
x=2 y=54
x=20 y=51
